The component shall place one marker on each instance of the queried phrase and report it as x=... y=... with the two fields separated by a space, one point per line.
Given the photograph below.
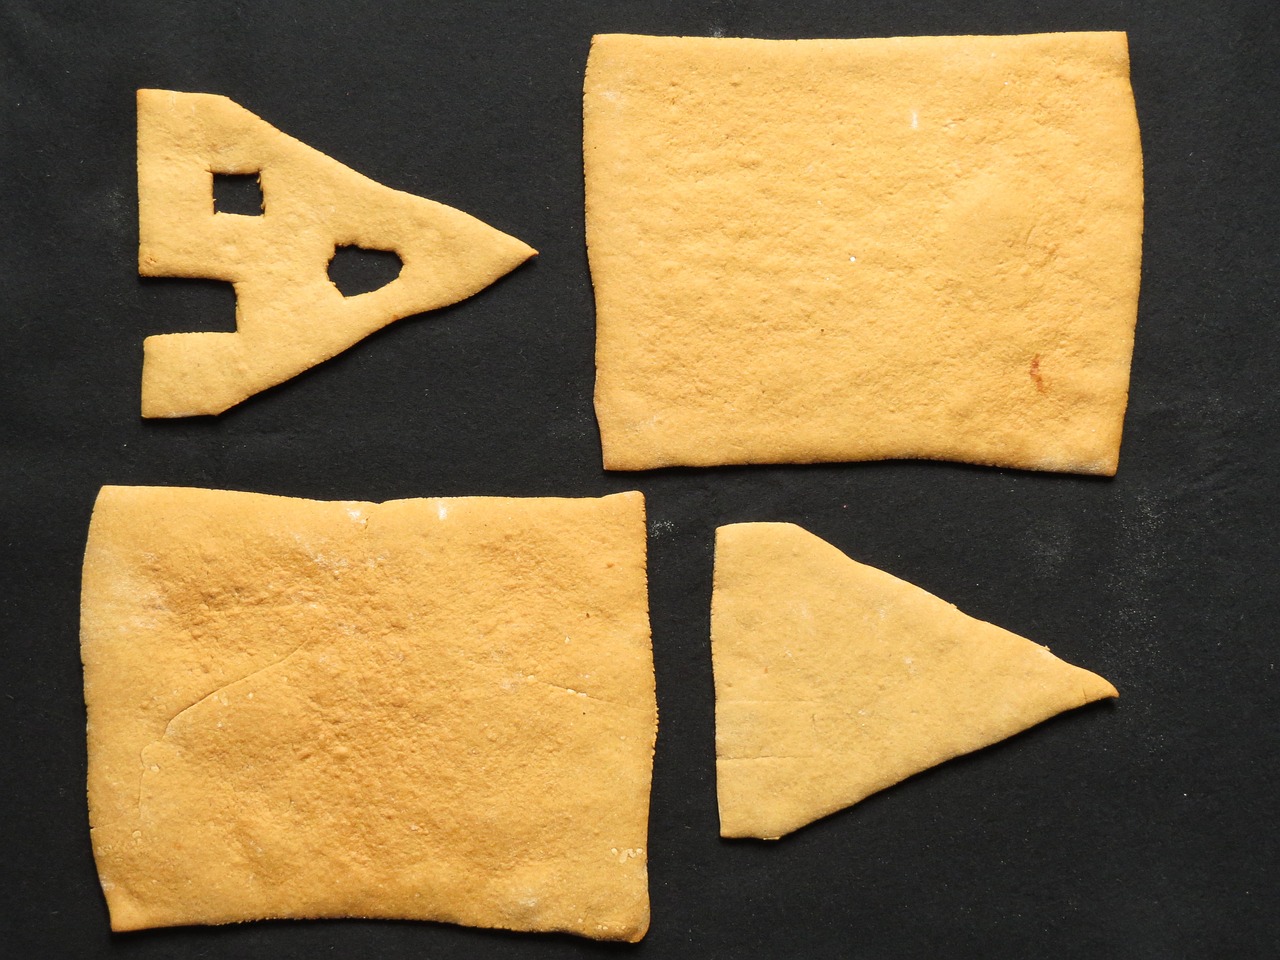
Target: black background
x=1143 y=828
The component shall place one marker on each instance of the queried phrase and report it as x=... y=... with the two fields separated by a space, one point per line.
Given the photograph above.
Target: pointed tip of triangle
x=1099 y=688
x=835 y=680
x=516 y=253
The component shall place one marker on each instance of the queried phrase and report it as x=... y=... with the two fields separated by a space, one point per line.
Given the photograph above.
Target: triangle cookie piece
x=289 y=314
x=835 y=680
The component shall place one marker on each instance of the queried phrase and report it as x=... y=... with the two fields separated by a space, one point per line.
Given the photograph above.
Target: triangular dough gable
x=835 y=680
x=289 y=315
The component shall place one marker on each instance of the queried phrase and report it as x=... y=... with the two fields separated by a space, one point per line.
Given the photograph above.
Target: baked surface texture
x=825 y=250
x=835 y=680
x=424 y=709
x=289 y=314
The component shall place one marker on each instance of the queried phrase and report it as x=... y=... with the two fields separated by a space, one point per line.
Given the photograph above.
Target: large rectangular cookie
x=424 y=709
x=828 y=250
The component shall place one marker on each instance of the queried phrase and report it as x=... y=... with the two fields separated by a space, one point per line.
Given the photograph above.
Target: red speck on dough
x=1035 y=373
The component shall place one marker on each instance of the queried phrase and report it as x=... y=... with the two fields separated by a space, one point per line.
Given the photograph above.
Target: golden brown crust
x=835 y=680
x=863 y=249
x=426 y=709
x=289 y=315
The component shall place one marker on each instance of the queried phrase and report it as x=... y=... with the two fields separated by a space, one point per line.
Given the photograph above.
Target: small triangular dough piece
x=289 y=315
x=835 y=680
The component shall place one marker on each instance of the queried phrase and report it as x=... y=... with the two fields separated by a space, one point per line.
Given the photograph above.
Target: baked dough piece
x=424 y=709
x=862 y=249
x=289 y=315
x=835 y=680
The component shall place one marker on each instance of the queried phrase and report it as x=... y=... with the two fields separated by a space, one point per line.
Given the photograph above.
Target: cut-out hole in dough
x=190 y=304
x=357 y=270
x=239 y=193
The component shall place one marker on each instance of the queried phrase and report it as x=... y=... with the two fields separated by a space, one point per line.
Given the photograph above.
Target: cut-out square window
x=356 y=270
x=239 y=193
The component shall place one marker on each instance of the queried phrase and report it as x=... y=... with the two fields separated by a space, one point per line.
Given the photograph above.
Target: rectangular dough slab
x=828 y=250
x=422 y=709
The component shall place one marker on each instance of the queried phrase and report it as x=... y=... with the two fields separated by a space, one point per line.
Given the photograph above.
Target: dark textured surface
x=1140 y=829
